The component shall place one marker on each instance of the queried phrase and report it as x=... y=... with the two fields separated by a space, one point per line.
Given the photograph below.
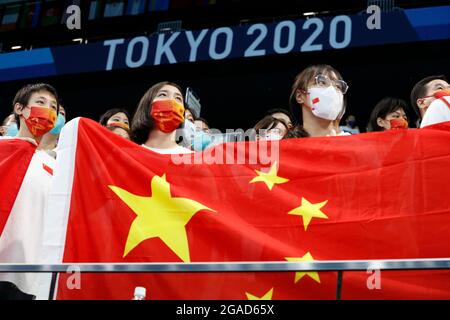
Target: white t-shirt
x=22 y=237
x=437 y=112
x=176 y=150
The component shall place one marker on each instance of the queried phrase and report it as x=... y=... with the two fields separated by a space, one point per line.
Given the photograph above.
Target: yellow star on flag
x=160 y=216
x=299 y=275
x=266 y=296
x=269 y=178
x=308 y=211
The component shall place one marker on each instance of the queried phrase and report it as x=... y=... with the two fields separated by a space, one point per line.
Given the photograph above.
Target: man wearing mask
x=439 y=110
x=35 y=111
x=429 y=99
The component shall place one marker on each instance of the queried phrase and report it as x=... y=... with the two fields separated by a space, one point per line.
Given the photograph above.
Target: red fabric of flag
x=15 y=156
x=368 y=196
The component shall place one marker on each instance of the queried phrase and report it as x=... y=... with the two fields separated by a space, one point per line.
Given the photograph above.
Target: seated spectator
x=317 y=96
x=158 y=115
x=350 y=125
x=388 y=114
x=270 y=128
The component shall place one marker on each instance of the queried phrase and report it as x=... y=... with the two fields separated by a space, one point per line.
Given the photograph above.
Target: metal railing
x=275 y=266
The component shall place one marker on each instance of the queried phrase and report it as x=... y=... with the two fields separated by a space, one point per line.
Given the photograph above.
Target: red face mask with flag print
x=442 y=93
x=41 y=120
x=398 y=124
x=167 y=114
x=118 y=124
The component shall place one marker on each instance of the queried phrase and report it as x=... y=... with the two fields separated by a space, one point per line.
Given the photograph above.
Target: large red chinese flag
x=368 y=196
x=15 y=156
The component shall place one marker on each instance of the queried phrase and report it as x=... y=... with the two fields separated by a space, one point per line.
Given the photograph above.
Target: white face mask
x=326 y=103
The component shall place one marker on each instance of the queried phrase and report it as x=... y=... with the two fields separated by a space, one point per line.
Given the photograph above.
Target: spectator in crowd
x=422 y=94
x=3 y=126
x=201 y=124
x=120 y=129
x=296 y=132
x=270 y=128
x=388 y=114
x=185 y=137
x=202 y=136
x=350 y=125
x=9 y=126
x=115 y=115
x=49 y=141
x=317 y=96
x=430 y=98
x=189 y=115
x=159 y=113
x=35 y=111
x=118 y=121
x=439 y=109
x=283 y=115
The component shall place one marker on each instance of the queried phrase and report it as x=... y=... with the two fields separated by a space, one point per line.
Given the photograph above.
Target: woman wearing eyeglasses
x=317 y=98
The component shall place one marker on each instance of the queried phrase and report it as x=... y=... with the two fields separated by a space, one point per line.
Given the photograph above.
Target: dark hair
x=63 y=105
x=190 y=110
x=297 y=132
x=267 y=123
x=281 y=110
x=111 y=112
x=202 y=120
x=419 y=91
x=301 y=83
x=142 y=123
x=382 y=109
x=24 y=94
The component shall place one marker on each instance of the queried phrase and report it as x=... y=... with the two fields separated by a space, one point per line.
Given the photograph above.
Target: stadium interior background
x=234 y=93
